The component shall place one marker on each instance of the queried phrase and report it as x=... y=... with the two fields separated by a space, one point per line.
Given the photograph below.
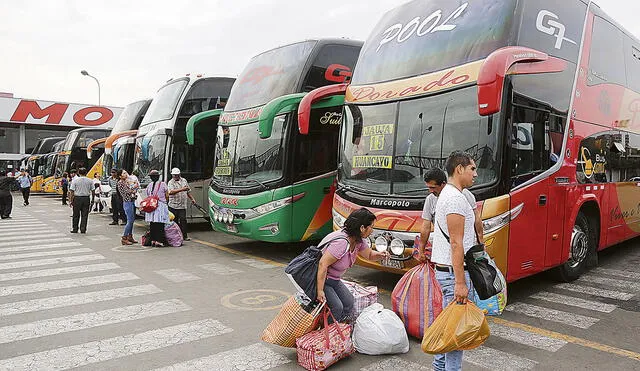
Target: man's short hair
x=82 y=171
x=457 y=158
x=436 y=175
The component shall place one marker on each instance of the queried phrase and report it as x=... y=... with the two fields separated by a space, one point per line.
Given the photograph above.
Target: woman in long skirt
x=160 y=216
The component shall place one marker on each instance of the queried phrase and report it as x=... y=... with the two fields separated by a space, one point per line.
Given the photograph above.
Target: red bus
x=544 y=94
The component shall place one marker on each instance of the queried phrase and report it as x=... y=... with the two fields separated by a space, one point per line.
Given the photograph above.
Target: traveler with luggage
x=160 y=215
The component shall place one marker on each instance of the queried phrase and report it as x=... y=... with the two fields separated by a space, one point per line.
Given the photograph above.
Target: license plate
x=392 y=263
x=232 y=228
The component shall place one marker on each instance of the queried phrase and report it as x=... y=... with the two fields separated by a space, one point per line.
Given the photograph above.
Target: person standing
x=179 y=193
x=160 y=216
x=25 y=181
x=64 y=184
x=128 y=195
x=454 y=235
x=6 y=200
x=81 y=189
x=117 y=210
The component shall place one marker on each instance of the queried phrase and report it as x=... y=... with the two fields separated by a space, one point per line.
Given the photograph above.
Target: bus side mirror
x=334 y=92
x=196 y=120
x=280 y=105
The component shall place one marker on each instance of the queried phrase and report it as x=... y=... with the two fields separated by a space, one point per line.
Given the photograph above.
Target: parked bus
x=37 y=161
x=48 y=172
x=435 y=76
x=161 y=140
x=273 y=182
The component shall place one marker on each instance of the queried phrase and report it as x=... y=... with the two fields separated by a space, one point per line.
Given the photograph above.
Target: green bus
x=273 y=181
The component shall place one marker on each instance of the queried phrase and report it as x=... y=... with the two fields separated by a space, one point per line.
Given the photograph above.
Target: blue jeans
x=451 y=361
x=129 y=208
x=339 y=299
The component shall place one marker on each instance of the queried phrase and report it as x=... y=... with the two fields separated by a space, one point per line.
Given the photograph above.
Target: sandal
x=156 y=244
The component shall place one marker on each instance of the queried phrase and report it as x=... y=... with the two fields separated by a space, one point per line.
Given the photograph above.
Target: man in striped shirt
x=80 y=192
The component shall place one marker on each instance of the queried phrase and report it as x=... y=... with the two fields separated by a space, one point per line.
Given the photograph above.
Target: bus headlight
x=225 y=218
x=397 y=246
x=381 y=244
x=493 y=224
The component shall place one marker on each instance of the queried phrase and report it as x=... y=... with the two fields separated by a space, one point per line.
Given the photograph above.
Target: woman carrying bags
x=160 y=216
x=128 y=195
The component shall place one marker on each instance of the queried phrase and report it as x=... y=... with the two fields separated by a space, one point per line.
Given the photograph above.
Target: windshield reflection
x=150 y=153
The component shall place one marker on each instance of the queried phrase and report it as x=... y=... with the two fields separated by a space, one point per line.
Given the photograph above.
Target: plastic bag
x=173 y=234
x=458 y=327
x=495 y=304
x=379 y=331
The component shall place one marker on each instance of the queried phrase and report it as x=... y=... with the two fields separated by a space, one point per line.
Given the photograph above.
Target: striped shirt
x=81 y=186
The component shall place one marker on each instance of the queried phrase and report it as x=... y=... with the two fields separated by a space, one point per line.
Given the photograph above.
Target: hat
x=175 y=171
x=154 y=172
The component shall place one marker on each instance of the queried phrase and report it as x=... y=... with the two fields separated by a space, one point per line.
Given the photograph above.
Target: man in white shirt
x=179 y=193
x=454 y=235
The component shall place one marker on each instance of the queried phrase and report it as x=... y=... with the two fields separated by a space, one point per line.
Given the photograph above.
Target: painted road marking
x=395 y=363
x=177 y=275
x=65 y=284
x=619 y=273
x=523 y=337
x=549 y=314
x=57 y=271
x=117 y=347
x=255 y=300
x=252 y=357
x=620 y=284
x=497 y=360
x=220 y=269
x=32 y=235
x=39 y=247
x=40 y=262
x=256 y=263
x=84 y=321
x=239 y=253
x=35 y=305
x=574 y=302
x=34 y=242
x=98 y=237
x=611 y=294
x=27 y=232
x=25 y=226
x=44 y=253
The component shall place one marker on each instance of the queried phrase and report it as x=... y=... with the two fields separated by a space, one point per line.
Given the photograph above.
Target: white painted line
x=619 y=273
x=57 y=271
x=12 y=226
x=256 y=263
x=98 y=237
x=35 y=305
x=526 y=338
x=38 y=247
x=251 y=357
x=34 y=242
x=177 y=275
x=620 y=284
x=31 y=236
x=553 y=315
x=220 y=269
x=44 y=253
x=84 y=321
x=27 y=232
x=37 y=263
x=595 y=291
x=574 y=302
x=395 y=363
x=497 y=360
x=65 y=284
x=117 y=347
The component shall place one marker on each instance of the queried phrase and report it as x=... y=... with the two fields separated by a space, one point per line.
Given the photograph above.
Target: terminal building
x=25 y=121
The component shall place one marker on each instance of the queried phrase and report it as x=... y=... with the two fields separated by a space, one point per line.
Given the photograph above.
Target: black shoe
x=72 y=231
x=83 y=232
x=113 y=223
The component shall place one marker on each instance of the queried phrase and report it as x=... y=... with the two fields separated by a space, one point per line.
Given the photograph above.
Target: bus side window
x=624 y=157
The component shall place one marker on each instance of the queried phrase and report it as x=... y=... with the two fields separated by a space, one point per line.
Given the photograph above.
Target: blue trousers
x=339 y=299
x=129 y=210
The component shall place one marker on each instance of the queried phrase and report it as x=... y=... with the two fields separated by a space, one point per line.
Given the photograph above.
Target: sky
x=133 y=47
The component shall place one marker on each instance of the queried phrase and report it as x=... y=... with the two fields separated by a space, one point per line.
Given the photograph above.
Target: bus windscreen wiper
x=411 y=191
x=256 y=181
x=361 y=190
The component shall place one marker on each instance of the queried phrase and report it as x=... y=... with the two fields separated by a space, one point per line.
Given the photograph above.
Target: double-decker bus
x=543 y=94
x=36 y=163
x=273 y=182
x=161 y=142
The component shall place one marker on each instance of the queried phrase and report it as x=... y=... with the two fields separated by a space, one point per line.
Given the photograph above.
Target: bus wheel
x=582 y=245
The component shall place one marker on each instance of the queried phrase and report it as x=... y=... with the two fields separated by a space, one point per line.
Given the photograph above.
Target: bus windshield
x=269 y=75
x=243 y=159
x=164 y=104
x=150 y=154
x=127 y=118
x=382 y=155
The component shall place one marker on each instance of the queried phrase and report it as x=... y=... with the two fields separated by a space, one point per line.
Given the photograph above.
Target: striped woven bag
x=320 y=349
x=291 y=323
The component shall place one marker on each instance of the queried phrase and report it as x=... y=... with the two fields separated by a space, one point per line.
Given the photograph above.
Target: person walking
x=80 y=192
x=95 y=198
x=179 y=193
x=117 y=209
x=454 y=235
x=6 y=200
x=25 y=181
x=64 y=184
x=160 y=216
x=128 y=195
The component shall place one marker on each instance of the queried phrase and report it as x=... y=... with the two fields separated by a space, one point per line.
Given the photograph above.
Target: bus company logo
x=337 y=73
x=390 y=203
x=331 y=118
x=548 y=23
x=229 y=201
x=54 y=113
x=253 y=113
x=590 y=164
x=231 y=191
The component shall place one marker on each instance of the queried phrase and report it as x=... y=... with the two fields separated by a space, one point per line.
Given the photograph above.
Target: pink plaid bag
x=363 y=297
x=320 y=349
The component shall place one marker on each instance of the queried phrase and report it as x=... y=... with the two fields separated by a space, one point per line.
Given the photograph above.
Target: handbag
x=320 y=349
x=292 y=322
x=150 y=203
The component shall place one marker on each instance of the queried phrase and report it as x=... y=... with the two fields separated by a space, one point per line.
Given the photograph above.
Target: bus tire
x=582 y=247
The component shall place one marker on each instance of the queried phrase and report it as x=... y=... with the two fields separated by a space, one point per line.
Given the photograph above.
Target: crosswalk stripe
x=39 y=247
x=619 y=273
x=611 y=294
x=177 y=275
x=251 y=357
x=395 y=363
x=27 y=232
x=256 y=263
x=65 y=284
x=84 y=321
x=554 y=315
x=57 y=271
x=574 y=302
x=32 y=235
x=37 y=263
x=620 y=284
x=35 y=305
x=44 y=253
x=36 y=241
x=497 y=360
x=21 y=223
x=16 y=227
x=117 y=347
x=221 y=269
x=519 y=336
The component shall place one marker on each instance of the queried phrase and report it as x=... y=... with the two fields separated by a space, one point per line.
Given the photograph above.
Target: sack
x=379 y=331
x=145 y=239
x=484 y=275
x=173 y=234
x=150 y=203
x=303 y=269
x=320 y=349
x=495 y=304
x=363 y=297
x=292 y=322
x=417 y=299
x=458 y=327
